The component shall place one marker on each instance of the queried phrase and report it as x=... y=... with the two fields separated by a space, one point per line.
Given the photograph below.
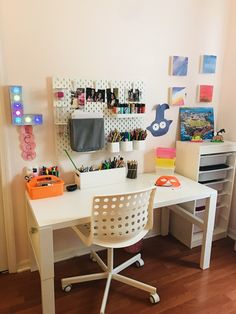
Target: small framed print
x=133 y=95
x=100 y=95
x=205 y=93
x=208 y=64
x=90 y=94
x=178 y=66
x=78 y=98
x=177 y=96
x=112 y=97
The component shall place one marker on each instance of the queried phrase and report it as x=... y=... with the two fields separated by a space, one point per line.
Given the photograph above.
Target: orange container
x=45 y=186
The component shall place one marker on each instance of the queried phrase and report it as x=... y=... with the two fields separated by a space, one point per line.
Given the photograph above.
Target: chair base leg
x=126 y=264
x=112 y=273
x=77 y=279
x=105 y=296
x=134 y=283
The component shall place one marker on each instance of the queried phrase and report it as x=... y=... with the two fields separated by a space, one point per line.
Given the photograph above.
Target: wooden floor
x=170 y=266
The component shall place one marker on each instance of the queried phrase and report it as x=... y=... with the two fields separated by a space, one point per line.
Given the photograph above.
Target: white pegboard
x=63 y=109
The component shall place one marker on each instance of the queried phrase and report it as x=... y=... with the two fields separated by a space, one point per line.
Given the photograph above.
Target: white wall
x=106 y=39
x=227 y=108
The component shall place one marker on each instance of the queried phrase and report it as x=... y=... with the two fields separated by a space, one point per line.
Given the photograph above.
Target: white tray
x=212 y=175
x=210 y=160
x=101 y=177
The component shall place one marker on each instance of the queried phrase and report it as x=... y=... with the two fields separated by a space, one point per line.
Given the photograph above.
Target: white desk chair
x=117 y=221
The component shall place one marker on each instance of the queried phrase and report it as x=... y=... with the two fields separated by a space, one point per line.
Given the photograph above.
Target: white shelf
x=216 y=170
x=218 y=233
x=127 y=115
x=189 y=159
x=222 y=205
x=223 y=193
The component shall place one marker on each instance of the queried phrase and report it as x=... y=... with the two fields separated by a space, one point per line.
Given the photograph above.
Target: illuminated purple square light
x=17 y=105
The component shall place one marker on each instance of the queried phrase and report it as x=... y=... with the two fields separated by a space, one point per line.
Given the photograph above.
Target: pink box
x=163 y=152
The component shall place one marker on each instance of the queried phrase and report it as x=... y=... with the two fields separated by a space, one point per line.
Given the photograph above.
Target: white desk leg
x=47 y=270
x=48 y=298
x=209 y=220
x=33 y=264
x=165 y=216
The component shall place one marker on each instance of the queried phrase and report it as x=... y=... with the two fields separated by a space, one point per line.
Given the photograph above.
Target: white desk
x=46 y=215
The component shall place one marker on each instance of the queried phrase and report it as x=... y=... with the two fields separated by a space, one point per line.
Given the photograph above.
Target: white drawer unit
x=213 y=159
x=212 y=164
x=219 y=186
x=213 y=175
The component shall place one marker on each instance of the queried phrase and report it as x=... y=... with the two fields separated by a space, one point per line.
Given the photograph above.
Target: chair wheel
x=154 y=298
x=67 y=288
x=139 y=263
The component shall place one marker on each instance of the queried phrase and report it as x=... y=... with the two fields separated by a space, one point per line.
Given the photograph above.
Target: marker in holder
x=132 y=169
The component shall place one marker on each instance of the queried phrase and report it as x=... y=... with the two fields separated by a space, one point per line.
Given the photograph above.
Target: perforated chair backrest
x=120 y=217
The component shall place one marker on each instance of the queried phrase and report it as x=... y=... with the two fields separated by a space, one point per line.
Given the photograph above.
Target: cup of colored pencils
x=132 y=169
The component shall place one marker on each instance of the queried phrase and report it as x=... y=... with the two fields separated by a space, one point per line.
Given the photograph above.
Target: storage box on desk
x=165 y=162
x=162 y=171
x=45 y=186
x=165 y=152
x=100 y=177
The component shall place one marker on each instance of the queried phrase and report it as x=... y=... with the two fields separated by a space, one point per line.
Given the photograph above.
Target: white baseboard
x=70 y=253
x=23 y=266
x=232 y=233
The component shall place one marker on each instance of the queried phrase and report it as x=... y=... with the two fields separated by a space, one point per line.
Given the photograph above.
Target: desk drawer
x=212 y=175
x=219 y=186
x=210 y=160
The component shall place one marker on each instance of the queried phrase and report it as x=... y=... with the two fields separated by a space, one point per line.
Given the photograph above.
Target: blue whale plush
x=160 y=125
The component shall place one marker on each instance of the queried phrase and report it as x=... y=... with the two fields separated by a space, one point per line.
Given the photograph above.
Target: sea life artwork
x=177 y=96
x=208 y=64
x=205 y=93
x=160 y=125
x=178 y=66
x=196 y=120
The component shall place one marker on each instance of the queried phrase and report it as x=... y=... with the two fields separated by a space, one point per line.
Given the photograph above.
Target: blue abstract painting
x=179 y=66
x=208 y=64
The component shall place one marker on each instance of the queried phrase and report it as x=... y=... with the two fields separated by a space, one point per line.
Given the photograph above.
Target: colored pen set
x=116 y=162
x=114 y=136
x=132 y=169
x=135 y=135
x=139 y=135
x=49 y=171
x=43 y=171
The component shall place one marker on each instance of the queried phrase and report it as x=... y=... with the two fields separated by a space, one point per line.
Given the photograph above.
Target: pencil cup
x=132 y=170
x=113 y=147
x=126 y=146
x=139 y=145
